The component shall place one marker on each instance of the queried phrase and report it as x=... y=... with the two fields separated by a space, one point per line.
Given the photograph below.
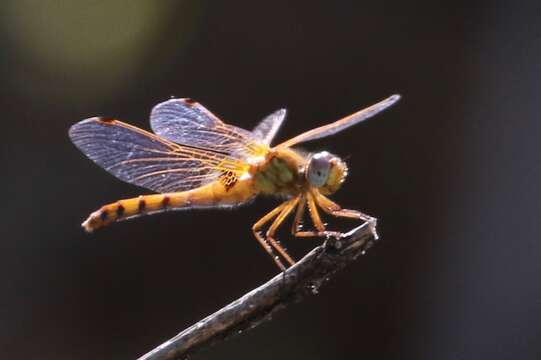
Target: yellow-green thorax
x=287 y=172
x=280 y=172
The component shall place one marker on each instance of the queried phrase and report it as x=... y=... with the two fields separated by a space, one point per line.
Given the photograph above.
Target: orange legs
x=279 y=220
x=268 y=242
x=314 y=200
x=334 y=209
x=316 y=219
x=295 y=228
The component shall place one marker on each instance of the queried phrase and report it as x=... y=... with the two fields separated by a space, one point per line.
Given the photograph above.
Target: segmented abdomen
x=211 y=195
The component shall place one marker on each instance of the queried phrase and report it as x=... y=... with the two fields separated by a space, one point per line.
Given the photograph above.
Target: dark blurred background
x=452 y=172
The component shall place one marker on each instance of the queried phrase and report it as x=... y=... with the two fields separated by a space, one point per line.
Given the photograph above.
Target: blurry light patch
x=75 y=48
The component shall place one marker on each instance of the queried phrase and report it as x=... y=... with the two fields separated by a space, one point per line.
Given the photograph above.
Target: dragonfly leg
x=334 y=209
x=263 y=241
x=314 y=214
x=297 y=221
x=289 y=206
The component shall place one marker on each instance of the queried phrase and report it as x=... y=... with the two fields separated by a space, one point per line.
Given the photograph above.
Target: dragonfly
x=195 y=160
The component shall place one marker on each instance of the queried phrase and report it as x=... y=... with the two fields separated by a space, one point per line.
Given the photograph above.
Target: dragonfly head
x=326 y=172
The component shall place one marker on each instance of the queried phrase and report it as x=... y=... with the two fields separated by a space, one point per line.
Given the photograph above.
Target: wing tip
x=386 y=103
x=187 y=101
x=79 y=126
x=75 y=127
x=170 y=107
x=393 y=98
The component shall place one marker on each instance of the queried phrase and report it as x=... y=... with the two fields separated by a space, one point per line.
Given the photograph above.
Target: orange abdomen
x=214 y=194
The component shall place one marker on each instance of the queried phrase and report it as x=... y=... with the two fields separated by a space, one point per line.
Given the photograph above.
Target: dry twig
x=297 y=282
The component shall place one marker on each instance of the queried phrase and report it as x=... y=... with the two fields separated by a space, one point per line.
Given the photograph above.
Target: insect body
x=195 y=160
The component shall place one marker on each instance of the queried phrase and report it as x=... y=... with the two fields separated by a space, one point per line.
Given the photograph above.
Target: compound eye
x=318 y=169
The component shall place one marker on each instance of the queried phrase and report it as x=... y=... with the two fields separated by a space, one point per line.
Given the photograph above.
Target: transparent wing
x=187 y=122
x=342 y=124
x=269 y=126
x=144 y=159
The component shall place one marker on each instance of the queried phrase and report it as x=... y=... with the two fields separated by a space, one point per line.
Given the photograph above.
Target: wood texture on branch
x=299 y=281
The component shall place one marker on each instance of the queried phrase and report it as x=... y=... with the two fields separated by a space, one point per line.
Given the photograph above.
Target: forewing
x=269 y=126
x=187 y=122
x=342 y=124
x=144 y=159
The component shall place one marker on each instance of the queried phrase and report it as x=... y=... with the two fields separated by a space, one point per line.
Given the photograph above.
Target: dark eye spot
x=319 y=173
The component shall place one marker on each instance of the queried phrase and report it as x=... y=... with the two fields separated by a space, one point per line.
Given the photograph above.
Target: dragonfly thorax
x=279 y=173
x=288 y=172
x=326 y=172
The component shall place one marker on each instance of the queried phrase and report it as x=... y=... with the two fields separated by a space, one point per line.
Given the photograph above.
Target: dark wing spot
x=106 y=119
x=103 y=215
x=189 y=102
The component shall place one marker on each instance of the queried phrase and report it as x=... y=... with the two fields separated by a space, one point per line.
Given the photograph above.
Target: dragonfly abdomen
x=211 y=195
x=128 y=208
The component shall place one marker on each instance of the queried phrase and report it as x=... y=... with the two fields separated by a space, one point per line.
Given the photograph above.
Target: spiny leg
x=316 y=219
x=289 y=206
x=314 y=214
x=334 y=209
x=298 y=215
x=298 y=218
x=257 y=227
